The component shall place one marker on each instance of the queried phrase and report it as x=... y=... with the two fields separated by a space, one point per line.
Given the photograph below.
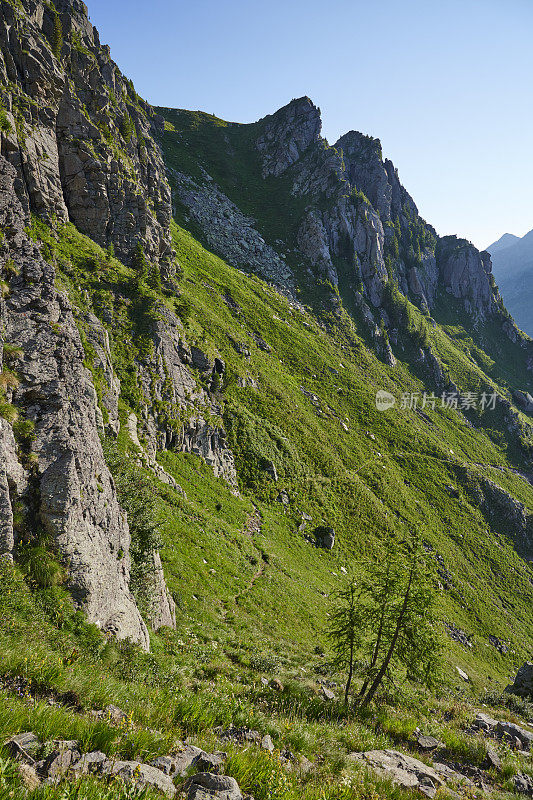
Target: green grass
x=250 y=605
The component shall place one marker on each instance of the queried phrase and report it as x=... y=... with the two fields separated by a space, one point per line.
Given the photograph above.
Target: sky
x=445 y=84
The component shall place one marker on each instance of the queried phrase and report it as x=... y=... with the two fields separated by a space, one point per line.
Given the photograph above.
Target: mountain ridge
x=197 y=318
x=513 y=267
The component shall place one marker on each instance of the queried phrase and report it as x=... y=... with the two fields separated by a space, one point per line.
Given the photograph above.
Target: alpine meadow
x=266 y=457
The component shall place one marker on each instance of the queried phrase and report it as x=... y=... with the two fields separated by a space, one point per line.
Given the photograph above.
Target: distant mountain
x=512 y=262
x=504 y=241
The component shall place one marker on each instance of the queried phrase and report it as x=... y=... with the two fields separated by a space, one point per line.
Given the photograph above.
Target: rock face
x=405 y=771
x=287 y=134
x=77 y=144
x=523 y=682
x=355 y=226
x=80 y=138
x=66 y=490
x=465 y=273
x=230 y=232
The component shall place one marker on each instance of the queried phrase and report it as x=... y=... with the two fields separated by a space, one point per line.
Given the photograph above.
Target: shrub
x=127 y=128
x=264 y=663
x=138 y=497
x=41 y=566
x=56 y=39
x=5 y=124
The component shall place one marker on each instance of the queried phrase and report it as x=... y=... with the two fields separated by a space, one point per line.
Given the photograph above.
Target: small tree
x=56 y=42
x=139 y=263
x=387 y=622
x=344 y=631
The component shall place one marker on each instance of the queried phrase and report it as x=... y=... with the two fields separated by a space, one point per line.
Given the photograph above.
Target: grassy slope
x=228 y=634
x=259 y=604
x=388 y=472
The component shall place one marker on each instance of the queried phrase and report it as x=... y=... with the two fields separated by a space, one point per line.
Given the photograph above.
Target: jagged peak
x=298 y=106
x=287 y=134
x=72 y=7
x=360 y=144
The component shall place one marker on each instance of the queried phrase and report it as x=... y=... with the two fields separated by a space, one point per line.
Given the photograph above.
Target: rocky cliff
x=78 y=146
x=54 y=482
x=352 y=223
x=77 y=133
x=361 y=214
x=94 y=333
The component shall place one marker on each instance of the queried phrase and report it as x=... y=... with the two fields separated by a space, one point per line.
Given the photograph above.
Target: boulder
x=405 y=771
x=89 y=763
x=324 y=537
x=523 y=784
x=523 y=682
x=485 y=723
x=239 y=734
x=269 y=468
x=267 y=743
x=139 y=775
x=427 y=743
x=179 y=763
x=492 y=760
x=210 y=762
x=24 y=746
x=58 y=763
x=524 y=739
x=462 y=674
x=206 y=786
x=28 y=776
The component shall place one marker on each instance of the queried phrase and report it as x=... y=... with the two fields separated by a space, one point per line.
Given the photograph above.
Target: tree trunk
x=350 y=675
x=379 y=677
x=376 y=646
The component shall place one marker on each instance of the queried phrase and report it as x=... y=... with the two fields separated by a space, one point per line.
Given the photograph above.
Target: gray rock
x=324 y=537
x=210 y=762
x=89 y=763
x=406 y=771
x=278 y=151
x=270 y=469
x=327 y=694
x=484 y=722
x=28 y=775
x=462 y=674
x=498 y=644
x=78 y=505
x=465 y=274
x=206 y=786
x=179 y=763
x=66 y=167
x=24 y=746
x=524 y=739
x=427 y=743
x=267 y=743
x=58 y=763
x=493 y=760
x=139 y=775
x=523 y=682
x=523 y=784
x=230 y=232
x=524 y=401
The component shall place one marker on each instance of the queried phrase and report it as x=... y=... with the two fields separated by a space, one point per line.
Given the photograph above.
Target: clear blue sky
x=445 y=84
